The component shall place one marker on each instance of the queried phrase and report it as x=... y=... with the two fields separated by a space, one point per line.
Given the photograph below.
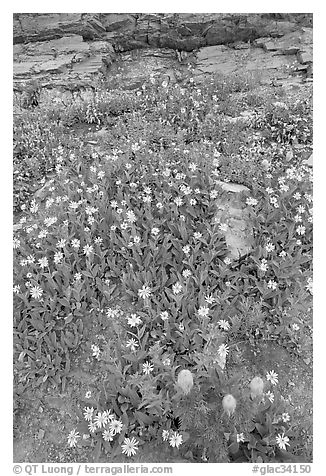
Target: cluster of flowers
x=109 y=425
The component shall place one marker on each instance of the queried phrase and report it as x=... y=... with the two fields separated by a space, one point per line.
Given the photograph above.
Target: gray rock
x=232 y=212
x=309 y=161
x=305 y=57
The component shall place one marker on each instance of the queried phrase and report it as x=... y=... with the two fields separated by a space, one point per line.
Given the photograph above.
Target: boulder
x=231 y=210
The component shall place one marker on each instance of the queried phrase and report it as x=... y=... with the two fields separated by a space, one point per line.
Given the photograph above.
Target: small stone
x=309 y=161
x=41 y=434
x=40 y=409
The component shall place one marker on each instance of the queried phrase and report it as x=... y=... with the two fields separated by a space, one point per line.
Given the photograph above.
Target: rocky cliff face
x=69 y=48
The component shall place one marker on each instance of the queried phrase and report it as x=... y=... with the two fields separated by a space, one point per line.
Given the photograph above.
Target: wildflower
x=96 y=351
x=134 y=320
x=270 y=396
x=147 y=190
x=136 y=239
x=111 y=312
x=282 y=441
x=155 y=231
x=178 y=201
x=73 y=438
x=299 y=242
x=240 y=438
x=100 y=420
x=223 y=350
x=159 y=205
x=186 y=249
x=36 y=292
x=309 y=285
x=88 y=394
x=98 y=240
x=269 y=190
x=229 y=404
x=224 y=324
x=92 y=427
x=223 y=227
x=132 y=344
x=147 y=199
x=284 y=188
x=263 y=266
x=286 y=417
x=164 y=315
x=88 y=249
x=147 y=368
x=88 y=413
x=129 y=446
x=193 y=202
x=177 y=288
x=269 y=247
x=115 y=426
x=209 y=299
x=185 y=381
x=61 y=243
x=282 y=254
x=144 y=292
x=34 y=207
x=16 y=289
x=166 y=362
x=213 y=194
x=30 y=259
x=131 y=217
x=181 y=327
x=58 y=256
x=78 y=276
x=165 y=435
x=75 y=243
x=256 y=387
x=272 y=377
x=114 y=204
x=295 y=327
x=193 y=167
x=175 y=439
x=91 y=220
x=107 y=435
x=251 y=201
x=43 y=234
x=297 y=196
x=109 y=416
x=266 y=164
x=186 y=273
x=16 y=243
x=197 y=235
x=203 y=311
x=301 y=230
x=272 y=284
x=43 y=262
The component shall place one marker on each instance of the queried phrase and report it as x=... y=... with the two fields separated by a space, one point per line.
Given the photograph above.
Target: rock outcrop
x=66 y=48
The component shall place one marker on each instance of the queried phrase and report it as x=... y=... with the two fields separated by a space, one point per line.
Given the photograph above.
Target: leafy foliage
x=125 y=235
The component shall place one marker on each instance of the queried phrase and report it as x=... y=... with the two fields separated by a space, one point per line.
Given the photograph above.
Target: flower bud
x=185 y=381
x=256 y=387
x=229 y=404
